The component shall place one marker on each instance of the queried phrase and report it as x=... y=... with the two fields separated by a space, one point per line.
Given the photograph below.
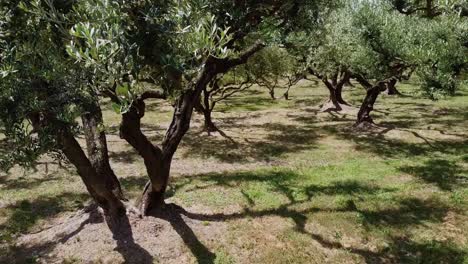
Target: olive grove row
x=59 y=59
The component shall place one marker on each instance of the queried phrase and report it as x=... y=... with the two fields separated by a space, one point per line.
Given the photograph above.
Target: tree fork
x=372 y=93
x=158 y=159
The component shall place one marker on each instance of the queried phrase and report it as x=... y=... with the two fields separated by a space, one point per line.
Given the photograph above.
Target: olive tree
x=377 y=46
x=219 y=89
x=271 y=67
x=59 y=58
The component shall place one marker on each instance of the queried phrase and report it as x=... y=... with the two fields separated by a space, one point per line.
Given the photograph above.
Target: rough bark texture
x=209 y=125
x=95 y=171
x=96 y=144
x=207 y=108
x=99 y=186
x=130 y=130
x=332 y=97
x=339 y=93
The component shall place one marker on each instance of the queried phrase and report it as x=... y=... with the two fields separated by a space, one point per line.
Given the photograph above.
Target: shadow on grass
x=444 y=173
x=436 y=158
x=26 y=182
x=23 y=215
x=125 y=156
x=280 y=139
x=401 y=214
x=120 y=228
x=250 y=104
x=404 y=250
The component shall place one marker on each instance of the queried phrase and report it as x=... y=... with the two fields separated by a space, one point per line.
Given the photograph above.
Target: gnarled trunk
x=209 y=125
x=334 y=84
x=100 y=186
x=339 y=94
x=391 y=87
x=130 y=130
x=207 y=109
x=367 y=105
x=97 y=148
x=332 y=99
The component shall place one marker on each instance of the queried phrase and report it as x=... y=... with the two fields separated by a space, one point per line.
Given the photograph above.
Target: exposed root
x=329 y=106
x=365 y=126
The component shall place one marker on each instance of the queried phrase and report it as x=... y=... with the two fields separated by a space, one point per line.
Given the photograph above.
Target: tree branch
x=152 y=95
x=228 y=63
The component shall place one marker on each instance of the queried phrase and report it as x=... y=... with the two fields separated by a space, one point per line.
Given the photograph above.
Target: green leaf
x=116 y=108
x=122 y=90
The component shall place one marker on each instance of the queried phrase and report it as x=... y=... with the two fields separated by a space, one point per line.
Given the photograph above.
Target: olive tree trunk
x=391 y=88
x=96 y=145
x=335 y=89
x=372 y=93
x=100 y=186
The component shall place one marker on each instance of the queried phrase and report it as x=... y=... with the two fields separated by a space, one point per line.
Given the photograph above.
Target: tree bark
x=391 y=87
x=209 y=125
x=335 y=88
x=207 y=108
x=97 y=148
x=97 y=184
x=367 y=105
x=429 y=9
x=332 y=97
x=339 y=94
x=272 y=93
x=156 y=166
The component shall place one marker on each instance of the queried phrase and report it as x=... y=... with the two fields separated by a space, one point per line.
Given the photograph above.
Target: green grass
x=397 y=195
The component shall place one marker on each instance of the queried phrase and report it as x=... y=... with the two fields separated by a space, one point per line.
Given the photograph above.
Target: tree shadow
x=280 y=139
x=123 y=235
x=403 y=250
x=26 y=182
x=444 y=173
x=25 y=214
x=173 y=214
x=128 y=156
x=408 y=212
x=250 y=104
x=402 y=214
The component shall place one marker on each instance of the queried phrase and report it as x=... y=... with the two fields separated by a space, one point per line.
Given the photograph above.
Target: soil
x=87 y=237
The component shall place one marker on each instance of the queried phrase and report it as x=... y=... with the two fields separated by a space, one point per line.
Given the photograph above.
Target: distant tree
x=378 y=47
x=270 y=67
x=221 y=88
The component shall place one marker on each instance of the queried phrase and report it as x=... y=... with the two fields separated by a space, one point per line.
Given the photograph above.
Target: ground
x=286 y=184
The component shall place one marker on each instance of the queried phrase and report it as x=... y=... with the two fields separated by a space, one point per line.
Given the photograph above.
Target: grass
x=295 y=185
